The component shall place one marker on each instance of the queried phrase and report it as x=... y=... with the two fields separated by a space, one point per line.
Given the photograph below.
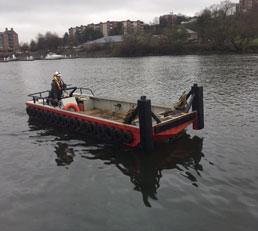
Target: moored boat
x=10 y=59
x=53 y=56
x=130 y=123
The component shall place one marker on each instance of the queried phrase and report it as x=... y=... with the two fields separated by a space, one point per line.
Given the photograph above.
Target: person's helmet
x=57 y=73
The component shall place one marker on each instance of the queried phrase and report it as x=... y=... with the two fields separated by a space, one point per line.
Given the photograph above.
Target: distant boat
x=52 y=56
x=12 y=58
x=30 y=58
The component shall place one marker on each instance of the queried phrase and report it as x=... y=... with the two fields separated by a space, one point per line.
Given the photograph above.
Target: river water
x=207 y=180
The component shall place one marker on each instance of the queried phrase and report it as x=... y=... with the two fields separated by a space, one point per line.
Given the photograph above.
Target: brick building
x=168 y=20
x=246 y=5
x=9 y=40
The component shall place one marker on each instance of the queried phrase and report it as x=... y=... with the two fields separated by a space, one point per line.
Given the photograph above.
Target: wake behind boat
x=129 y=123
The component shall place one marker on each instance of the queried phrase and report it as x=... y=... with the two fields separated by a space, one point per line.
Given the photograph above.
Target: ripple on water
x=205 y=179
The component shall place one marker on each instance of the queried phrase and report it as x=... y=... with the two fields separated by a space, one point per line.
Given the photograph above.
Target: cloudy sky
x=30 y=17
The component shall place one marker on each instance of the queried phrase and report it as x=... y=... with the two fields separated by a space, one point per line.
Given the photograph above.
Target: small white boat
x=12 y=58
x=53 y=56
x=30 y=58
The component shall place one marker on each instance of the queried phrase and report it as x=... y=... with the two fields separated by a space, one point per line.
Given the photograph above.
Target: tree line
x=220 y=28
x=52 y=42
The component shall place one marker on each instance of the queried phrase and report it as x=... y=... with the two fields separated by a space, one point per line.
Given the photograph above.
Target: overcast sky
x=30 y=17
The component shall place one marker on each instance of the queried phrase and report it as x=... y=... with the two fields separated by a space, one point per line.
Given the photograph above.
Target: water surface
x=207 y=180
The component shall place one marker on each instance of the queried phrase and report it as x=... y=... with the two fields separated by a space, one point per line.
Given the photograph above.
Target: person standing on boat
x=57 y=88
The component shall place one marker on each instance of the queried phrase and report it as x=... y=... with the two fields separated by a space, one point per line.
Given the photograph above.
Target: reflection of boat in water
x=64 y=154
x=53 y=56
x=145 y=171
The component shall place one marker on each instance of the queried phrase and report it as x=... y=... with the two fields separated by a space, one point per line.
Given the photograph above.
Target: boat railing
x=81 y=90
x=44 y=95
x=40 y=95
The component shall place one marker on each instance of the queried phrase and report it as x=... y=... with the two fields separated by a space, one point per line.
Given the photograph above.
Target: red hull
x=159 y=133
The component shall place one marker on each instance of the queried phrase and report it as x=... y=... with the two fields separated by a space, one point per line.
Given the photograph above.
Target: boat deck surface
x=105 y=114
x=119 y=117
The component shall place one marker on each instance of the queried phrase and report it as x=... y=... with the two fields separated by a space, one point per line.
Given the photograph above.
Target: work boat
x=135 y=124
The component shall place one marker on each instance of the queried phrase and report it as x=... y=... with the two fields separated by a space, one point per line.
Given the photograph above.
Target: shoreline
x=110 y=55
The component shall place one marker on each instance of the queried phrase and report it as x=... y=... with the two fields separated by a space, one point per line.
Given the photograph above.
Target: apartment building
x=94 y=26
x=110 y=28
x=9 y=40
x=3 y=41
x=132 y=26
x=167 y=20
x=72 y=31
x=104 y=28
x=246 y=5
